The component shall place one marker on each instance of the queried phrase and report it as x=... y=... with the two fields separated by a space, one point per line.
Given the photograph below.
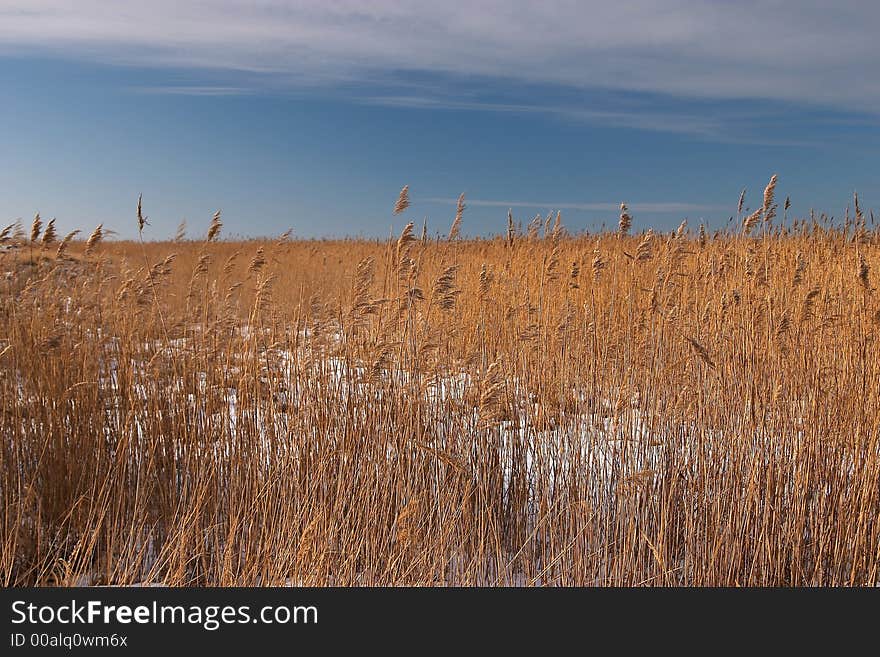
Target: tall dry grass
x=683 y=408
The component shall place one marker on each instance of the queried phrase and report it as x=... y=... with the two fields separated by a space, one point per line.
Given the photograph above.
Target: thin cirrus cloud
x=192 y=90
x=647 y=207
x=677 y=122
x=788 y=50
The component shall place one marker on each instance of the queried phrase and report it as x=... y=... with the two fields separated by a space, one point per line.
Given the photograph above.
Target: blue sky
x=311 y=115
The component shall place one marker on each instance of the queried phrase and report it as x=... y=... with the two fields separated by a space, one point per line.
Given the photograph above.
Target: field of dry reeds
x=627 y=408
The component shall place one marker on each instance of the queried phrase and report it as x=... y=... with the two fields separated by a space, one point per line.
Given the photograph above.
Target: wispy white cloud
x=658 y=207
x=193 y=90
x=652 y=120
x=800 y=51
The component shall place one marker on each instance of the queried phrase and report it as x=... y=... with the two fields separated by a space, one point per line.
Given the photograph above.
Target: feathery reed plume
x=864 y=271
x=511 y=230
x=406 y=238
x=202 y=265
x=63 y=244
x=214 y=228
x=362 y=283
x=180 y=234
x=280 y=243
x=643 y=250
x=229 y=265
x=142 y=221
x=783 y=327
x=6 y=234
x=701 y=352
x=456 y=223
x=36 y=227
x=155 y=275
x=625 y=222
x=402 y=200
x=787 y=204
x=573 y=275
x=557 y=226
x=380 y=364
x=551 y=270
x=491 y=406
x=18 y=233
x=162 y=268
x=702 y=236
x=95 y=238
x=681 y=231
x=263 y=293
x=405 y=266
x=742 y=198
x=769 y=208
x=859 y=235
x=534 y=227
x=49 y=235
x=424 y=238
x=750 y=222
x=599 y=263
x=800 y=266
x=444 y=291
x=485 y=280
x=809 y=303
x=257 y=262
